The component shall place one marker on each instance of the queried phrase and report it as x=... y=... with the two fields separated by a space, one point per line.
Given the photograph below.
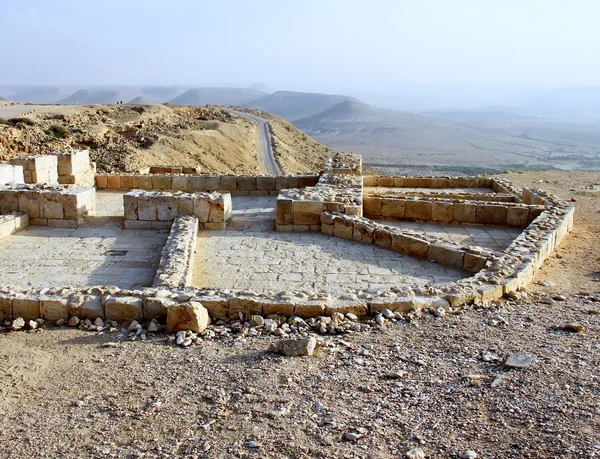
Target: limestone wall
x=439 y=210
x=47 y=205
x=38 y=169
x=177 y=260
x=234 y=184
x=11 y=223
x=75 y=168
x=157 y=209
x=427 y=182
x=11 y=174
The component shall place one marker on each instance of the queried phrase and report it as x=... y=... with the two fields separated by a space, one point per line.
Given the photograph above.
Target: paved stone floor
x=250 y=255
x=492 y=237
x=42 y=256
x=385 y=189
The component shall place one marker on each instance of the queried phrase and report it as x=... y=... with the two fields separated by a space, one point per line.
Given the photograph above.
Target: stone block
x=382 y=238
x=398 y=182
x=363 y=233
x=343 y=228
x=85 y=306
x=465 y=212
x=217 y=307
x=181 y=182
x=385 y=181
x=370 y=180
x=187 y=316
x=246 y=305
x=283 y=308
x=246 y=182
x=142 y=182
x=126 y=182
x=440 y=182
x=474 y=263
x=167 y=208
x=393 y=207
x=372 y=206
x=442 y=211
x=325 y=229
x=29 y=203
x=333 y=206
x=27 y=308
x=186 y=204
x=146 y=210
x=418 y=210
x=156 y=307
x=284 y=211
x=51 y=206
x=281 y=182
x=266 y=183
x=113 y=182
x=202 y=208
x=101 y=182
x=307 y=212
x=158 y=225
x=446 y=255
x=123 y=308
x=402 y=304
x=6 y=311
x=228 y=182
x=161 y=182
x=490 y=214
x=212 y=182
x=137 y=224
x=409 y=245
x=130 y=204
x=198 y=182
x=358 y=308
x=212 y=226
x=517 y=216
x=309 y=309
x=54 y=309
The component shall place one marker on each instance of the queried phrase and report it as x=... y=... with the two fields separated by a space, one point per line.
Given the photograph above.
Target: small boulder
x=518 y=361
x=18 y=323
x=297 y=347
x=187 y=316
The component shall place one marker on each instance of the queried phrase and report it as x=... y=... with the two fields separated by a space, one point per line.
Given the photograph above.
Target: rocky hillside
x=127 y=137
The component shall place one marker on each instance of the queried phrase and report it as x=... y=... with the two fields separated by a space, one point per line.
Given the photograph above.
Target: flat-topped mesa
x=157 y=209
x=344 y=164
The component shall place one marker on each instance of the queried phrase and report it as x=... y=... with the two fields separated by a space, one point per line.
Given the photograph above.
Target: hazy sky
x=325 y=45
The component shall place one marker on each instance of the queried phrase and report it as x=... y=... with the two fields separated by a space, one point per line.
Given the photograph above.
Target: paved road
x=269 y=164
x=10 y=111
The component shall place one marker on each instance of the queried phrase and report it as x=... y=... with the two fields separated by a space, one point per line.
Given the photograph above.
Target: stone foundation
x=12 y=223
x=38 y=169
x=75 y=168
x=157 y=209
x=62 y=206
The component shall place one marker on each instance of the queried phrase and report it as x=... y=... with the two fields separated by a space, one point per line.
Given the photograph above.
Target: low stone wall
x=11 y=223
x=10 y=174
x=235 y=184
x=441 y=210
x=463 y=195
x=75 y=168
x=38 y=169
x=300 y=209
x=177 y=260
x=157 y=209
x=427 y=182
x=48 y=205
x=172 y=170
x=412 y=243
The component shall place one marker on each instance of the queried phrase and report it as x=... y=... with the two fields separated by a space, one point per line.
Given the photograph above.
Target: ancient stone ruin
x=141 y=237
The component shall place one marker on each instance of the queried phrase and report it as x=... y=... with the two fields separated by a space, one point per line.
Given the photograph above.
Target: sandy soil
x=127 y=137
x=575 y=266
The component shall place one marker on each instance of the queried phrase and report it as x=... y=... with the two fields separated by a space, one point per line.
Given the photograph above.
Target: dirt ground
x=434 y=383
x=128 y=137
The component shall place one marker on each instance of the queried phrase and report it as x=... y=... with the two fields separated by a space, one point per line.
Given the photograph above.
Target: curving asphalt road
x=11 y=111
x=269 y=164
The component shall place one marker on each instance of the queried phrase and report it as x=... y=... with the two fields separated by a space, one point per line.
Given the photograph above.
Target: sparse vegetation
x=59 y=131
x=16 y=121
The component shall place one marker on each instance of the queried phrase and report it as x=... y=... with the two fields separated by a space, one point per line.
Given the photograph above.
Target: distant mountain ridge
x=217 y=96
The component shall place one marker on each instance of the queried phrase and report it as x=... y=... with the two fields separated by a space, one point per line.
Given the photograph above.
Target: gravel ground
x=438 y=384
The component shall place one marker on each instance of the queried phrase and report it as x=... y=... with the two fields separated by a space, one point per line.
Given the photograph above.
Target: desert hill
x=127 y=137
x=297 y=105
x=100 y=96
x=217 y=96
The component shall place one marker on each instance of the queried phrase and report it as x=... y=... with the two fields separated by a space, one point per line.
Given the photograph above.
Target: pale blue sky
x=323 y=45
